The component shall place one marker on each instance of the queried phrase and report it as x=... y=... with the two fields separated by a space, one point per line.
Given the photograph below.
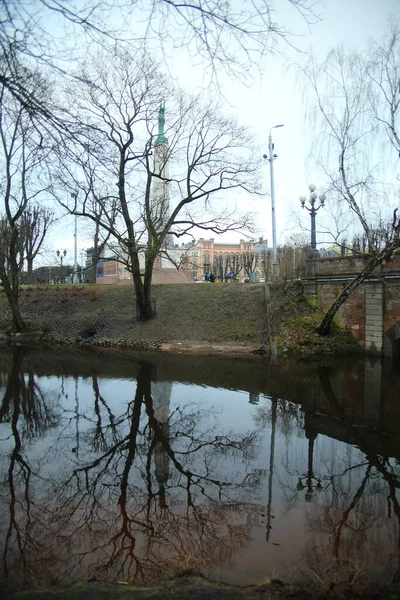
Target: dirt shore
x=197 y=588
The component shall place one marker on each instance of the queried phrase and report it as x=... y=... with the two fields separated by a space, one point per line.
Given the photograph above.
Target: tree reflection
x=354 y=508
x=23 y=397
x=153 y=490
x=165 y=478
x=23 y=401
x=131 y=485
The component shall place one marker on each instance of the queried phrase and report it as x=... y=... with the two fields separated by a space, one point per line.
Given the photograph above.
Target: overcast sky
x=274 y=98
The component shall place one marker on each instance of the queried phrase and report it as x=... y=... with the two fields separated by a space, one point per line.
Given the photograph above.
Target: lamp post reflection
x=271 y=466
x=309 y=485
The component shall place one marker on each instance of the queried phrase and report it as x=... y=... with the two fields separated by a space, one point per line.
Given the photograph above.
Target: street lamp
x=271 y=159
x=61 y=255
x=313 y=253
x=83 y=266
x=74 y=195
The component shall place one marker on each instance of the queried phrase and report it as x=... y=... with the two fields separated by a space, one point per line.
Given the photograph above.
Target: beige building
x=225 y=260
x=191 y=262
x=166 y=270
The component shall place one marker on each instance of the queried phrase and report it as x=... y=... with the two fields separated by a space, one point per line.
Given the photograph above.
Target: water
x=135 y=467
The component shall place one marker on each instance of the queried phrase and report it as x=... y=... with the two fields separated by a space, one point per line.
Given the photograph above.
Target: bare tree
x=266 y=264
x=250 y=262
x=297 y=245
x=23 y=151
x=355 y=102
x=34 y=225
x=165 y=181
x=91 y=181
x=236 y=265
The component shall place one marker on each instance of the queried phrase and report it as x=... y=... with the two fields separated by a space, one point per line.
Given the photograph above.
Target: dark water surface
x=131 y=467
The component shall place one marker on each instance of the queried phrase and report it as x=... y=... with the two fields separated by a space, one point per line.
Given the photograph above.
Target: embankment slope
x=199 y=318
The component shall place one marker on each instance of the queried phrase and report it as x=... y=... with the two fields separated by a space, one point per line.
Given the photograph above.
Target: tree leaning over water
x=356 y=104
x=165 y=182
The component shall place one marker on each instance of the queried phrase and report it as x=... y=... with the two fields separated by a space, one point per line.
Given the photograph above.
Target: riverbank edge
x=203 y=349
x=196 y=587
x=239 y=320
x=193 y=348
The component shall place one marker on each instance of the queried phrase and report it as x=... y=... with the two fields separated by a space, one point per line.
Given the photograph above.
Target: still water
x=133 y=467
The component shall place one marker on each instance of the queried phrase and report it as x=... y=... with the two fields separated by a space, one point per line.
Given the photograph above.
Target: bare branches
x=53 y=36
x=355 y=103
x=384 y=73
x=144 y=188
x=223 y=35
x=23 y=150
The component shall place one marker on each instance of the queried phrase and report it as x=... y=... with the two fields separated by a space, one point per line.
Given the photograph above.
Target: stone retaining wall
x=372 y=312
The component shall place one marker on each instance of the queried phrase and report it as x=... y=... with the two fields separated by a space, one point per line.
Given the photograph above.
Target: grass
x=294 y=319
x=213 y=313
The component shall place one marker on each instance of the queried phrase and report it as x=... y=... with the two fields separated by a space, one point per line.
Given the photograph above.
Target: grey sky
x=276 y=97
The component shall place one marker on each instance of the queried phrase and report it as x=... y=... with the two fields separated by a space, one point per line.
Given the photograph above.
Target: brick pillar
x=374 y=317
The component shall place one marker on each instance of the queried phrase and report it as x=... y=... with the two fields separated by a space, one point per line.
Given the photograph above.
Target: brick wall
x=351 y=315
x=373 y=309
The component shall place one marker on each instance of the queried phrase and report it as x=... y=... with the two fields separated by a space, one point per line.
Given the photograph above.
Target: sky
x=276 y=97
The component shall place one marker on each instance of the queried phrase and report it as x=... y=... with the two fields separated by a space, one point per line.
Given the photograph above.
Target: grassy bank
x=203 y=317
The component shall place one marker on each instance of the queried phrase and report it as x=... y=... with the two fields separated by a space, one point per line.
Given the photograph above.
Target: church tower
x=160 y=190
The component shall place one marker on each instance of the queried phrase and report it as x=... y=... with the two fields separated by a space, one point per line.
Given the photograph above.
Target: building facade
x=193 y=262
x=228 y=261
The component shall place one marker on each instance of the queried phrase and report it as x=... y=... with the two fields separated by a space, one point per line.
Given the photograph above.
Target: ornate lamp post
x=313 y=211
x=61 y=255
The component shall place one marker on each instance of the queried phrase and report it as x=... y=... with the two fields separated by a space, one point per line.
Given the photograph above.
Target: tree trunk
x=18 y=323
x=97 y=249
x=10 y=279
x=29 y=270
x=144 y=309
x=325 y=325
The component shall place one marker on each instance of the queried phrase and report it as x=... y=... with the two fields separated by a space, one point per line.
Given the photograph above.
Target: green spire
x=161 y=139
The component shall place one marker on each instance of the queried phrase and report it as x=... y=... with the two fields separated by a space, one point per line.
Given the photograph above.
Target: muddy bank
x=198 y=588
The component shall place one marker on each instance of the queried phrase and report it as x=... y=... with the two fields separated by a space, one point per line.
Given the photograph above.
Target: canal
x=123 y=467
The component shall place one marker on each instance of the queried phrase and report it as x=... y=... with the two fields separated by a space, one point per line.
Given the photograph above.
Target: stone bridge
x=372 y=312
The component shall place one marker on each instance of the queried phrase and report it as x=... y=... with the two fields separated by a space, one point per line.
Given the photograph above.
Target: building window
x=100 y=268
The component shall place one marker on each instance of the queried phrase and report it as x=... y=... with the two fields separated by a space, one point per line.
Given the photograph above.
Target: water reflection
x=131 y=468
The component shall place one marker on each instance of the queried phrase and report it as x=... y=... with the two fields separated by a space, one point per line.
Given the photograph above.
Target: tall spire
x=161 y=139
x=160 y=189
